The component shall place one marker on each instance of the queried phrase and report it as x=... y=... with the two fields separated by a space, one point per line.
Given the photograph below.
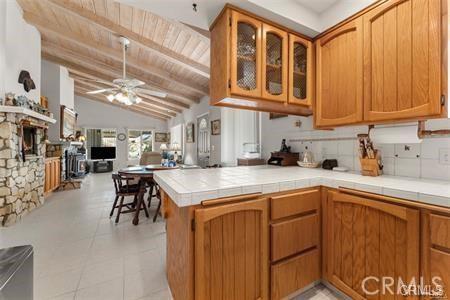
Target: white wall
x=67 y=91
x=92 y=114
x=190 y=115
x=20 y=46
x=58 y=87
x=2 y=47
x=421 y=161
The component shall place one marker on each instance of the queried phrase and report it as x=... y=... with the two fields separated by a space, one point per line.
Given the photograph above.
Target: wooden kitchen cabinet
x=436 y=249
x=250 y=64
x=245 y=55
x=339 y=95
x=301 y=71
x=402 y=60
x=274 y=63
x=52 y=174
x=367 y=237
x=231 y=251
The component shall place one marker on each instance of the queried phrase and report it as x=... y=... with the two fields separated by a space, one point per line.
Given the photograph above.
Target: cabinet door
x=402 y=60
x=340 y=76
x=274 y=63
x=47 y=176
x=245 y=55
x=231 y=251
x=370 y=238
x=301 y=64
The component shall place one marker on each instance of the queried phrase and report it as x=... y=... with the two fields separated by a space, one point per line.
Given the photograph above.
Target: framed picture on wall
x=161 y=137
x=215 y=127
x=190 y=133
x=68 y=123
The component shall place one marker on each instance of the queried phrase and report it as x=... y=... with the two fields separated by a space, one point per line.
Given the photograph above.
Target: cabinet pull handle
x=230 y=199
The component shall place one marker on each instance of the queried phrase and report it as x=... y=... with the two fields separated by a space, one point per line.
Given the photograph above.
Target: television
x=103 y=152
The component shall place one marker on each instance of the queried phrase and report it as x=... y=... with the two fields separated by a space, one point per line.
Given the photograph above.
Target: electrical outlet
x=444 y=156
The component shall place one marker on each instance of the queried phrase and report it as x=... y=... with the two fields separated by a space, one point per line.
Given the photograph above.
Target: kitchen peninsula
x=268 y=232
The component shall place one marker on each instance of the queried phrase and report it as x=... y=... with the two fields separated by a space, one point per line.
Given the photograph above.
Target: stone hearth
x=21 y=180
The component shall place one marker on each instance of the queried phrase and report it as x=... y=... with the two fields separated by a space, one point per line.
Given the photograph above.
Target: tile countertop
x=190 y=187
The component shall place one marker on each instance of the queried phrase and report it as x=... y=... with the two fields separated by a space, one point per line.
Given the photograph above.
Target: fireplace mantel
x=27 y=112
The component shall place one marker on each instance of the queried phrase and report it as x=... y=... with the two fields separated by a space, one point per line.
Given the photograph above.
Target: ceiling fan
x=125 y=90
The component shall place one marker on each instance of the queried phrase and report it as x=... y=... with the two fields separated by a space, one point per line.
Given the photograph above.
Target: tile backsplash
x=428 y=160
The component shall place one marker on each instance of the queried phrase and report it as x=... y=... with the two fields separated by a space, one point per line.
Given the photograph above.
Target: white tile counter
x=190 y=187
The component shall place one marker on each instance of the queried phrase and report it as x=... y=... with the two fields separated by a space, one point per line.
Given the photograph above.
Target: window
x=100 y=138
x=139 y=141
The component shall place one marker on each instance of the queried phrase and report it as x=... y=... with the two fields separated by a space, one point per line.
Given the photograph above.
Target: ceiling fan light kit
x=126 y=90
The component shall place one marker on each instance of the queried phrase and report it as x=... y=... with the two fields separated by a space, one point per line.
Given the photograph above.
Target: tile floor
x=79 y=253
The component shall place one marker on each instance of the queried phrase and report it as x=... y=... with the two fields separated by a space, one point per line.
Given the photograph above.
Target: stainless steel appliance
x=16 y=273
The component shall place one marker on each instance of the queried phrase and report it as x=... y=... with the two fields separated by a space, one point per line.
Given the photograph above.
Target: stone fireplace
x=22 y=154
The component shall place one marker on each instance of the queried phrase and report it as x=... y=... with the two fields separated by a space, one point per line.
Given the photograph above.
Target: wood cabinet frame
x=409 y=215
x=433 y=86
x=237 y=18
x=310 y=89
x=284 y=63
x=320 y=120
x=203 y=215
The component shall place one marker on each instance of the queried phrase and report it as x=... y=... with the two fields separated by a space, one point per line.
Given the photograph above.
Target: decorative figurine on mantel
x=9 y=99
x=285 y=148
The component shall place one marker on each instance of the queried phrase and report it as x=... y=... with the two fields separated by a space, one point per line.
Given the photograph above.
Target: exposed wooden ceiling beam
x=145 y=100
x=45 y=26
x=138 y=106
x=89 y=72
x=203 y=32
x=117 y=29
x=115 y=71
x=79 y=91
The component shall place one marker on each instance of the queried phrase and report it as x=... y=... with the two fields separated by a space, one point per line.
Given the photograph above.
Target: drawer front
x=293 y=236
x=440 y=230
x=295 y=203
x=293 y=274
x=440 y=267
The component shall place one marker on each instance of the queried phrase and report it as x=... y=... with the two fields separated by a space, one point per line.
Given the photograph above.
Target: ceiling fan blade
x=151 y=93
x=135 y=82
x=101 y=91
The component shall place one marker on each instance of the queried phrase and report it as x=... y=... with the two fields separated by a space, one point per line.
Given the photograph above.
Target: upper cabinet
x=340 y=76
x=301 y=71
x=275 y=63
x=383 y=65
x=402 y=60
x=258 y=65
x=245 y=55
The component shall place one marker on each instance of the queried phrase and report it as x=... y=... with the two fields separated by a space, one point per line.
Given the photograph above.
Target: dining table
x=143 y=173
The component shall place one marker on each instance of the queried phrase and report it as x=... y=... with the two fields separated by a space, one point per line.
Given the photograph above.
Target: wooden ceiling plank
x=135 y=106
x=114 y=54
x=76 y=58
x=113 y=27
x=145 y=100
x=87 y=72
x=80 y=93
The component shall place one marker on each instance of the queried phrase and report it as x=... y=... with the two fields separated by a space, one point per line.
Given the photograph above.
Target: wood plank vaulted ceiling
x=83 y=36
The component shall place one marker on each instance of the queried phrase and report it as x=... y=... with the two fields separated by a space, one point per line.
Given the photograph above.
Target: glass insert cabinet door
x=300 y=70
x=274 y=63
x=245 y=55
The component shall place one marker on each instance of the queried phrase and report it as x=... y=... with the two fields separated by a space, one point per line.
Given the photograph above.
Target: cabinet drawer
x=440 y=230
x=295 y=203
x=293 y=236
x=440 y=267
x=294 y=274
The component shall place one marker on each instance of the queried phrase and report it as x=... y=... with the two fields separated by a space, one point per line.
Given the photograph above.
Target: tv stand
x=103 y=166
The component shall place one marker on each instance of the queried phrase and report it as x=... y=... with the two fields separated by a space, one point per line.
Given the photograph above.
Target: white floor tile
x=110 y=290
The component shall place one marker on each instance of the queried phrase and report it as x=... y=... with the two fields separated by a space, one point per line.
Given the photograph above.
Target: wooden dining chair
x=124 y=187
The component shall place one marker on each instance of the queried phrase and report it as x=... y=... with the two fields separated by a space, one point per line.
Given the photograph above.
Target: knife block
x=371 y=166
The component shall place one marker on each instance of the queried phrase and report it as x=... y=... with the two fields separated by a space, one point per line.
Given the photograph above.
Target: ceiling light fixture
x=194 y=7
